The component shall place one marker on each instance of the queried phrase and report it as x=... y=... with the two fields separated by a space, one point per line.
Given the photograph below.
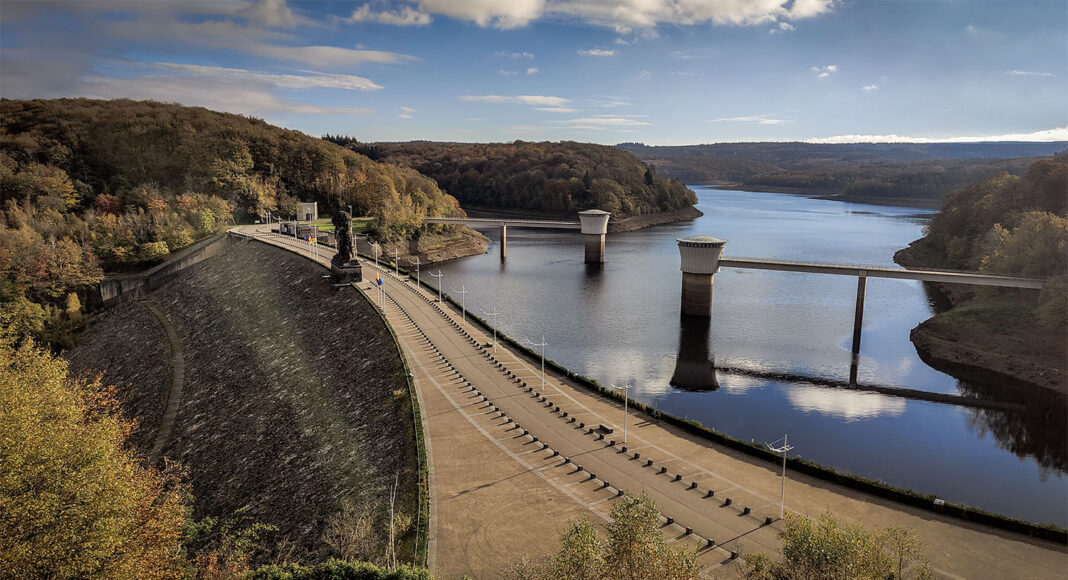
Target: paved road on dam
x=511 y=461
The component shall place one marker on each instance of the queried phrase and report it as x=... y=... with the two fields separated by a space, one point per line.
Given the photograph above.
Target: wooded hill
x=895 y=173
x=88 y=186
x=544 y=176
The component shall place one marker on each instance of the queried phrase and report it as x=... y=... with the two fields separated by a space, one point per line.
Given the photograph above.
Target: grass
x=360 y=225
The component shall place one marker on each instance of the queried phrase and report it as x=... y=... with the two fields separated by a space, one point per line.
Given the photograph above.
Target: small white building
x=308 y=211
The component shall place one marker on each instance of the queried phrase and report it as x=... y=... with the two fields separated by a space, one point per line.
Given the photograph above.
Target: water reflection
x=1038 y=431
x=846 y=405
x=695 y=369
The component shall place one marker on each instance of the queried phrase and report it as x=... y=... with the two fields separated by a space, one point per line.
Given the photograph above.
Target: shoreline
x=877 y=488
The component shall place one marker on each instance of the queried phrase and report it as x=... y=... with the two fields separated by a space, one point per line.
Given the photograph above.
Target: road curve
x=513 y=460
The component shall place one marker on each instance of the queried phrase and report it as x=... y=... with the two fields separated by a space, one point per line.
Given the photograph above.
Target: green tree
x=634 y=549
x=826 y=549
x=74 y=501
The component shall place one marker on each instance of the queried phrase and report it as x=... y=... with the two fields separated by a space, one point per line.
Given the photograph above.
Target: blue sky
x=653 y=71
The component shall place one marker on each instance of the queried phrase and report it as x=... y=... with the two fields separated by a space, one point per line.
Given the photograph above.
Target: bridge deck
x=875 y=272
x=515 y=223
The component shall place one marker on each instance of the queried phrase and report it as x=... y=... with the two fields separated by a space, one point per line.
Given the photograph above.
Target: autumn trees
x=556 y=177
x=74 y=501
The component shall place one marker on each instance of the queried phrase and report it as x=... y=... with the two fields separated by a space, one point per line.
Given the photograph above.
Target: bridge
x=593 y=223
x=701 y=259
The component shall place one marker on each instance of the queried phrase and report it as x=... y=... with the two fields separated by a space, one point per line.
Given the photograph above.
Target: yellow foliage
x=74 y=500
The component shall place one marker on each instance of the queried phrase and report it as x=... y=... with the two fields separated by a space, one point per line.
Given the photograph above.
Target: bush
x=339 y=570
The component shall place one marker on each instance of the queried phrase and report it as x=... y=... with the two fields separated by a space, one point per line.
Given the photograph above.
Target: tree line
x=563 y=177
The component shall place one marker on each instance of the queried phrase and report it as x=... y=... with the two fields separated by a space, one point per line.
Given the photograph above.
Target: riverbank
x=989 y=340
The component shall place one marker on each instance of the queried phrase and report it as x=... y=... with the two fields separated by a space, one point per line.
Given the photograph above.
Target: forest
x=89 y=187
x=899 y=174
x=562 y=177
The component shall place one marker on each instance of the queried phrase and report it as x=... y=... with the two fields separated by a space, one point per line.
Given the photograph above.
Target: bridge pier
x=700 y=262
x=504 y=241
x=594 y=227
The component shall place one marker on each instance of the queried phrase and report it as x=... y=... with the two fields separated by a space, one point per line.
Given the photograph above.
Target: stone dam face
x=294 y=401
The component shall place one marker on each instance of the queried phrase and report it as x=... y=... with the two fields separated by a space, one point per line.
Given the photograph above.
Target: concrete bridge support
x=700 y=262
x=504 y=241
x=594 y=227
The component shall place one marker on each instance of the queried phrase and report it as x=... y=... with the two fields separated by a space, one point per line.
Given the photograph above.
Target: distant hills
x=918 y=174
x=556 y=177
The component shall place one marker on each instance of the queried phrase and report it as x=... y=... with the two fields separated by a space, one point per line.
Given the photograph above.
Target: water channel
x=621 y=324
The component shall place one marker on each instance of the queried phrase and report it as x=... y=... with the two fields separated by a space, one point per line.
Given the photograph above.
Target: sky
x=660 y=72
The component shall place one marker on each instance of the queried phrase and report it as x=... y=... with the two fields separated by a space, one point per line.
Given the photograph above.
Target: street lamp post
x=463 y=300
x=626 y=398
x=396 y=261
x=494 y=314
x=542 y=345
x=376 y=247
x=439 y=276
x=416 y=262
x=783 y=449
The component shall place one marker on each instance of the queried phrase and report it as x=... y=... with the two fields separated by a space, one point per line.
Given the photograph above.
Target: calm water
x=621 y=323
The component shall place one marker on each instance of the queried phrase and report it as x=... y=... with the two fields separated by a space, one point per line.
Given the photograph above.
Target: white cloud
x=700 y=53
x=870 y=88
x=824 y=71
x=597 y=52
x=783 y=27
x=537 y=100
x=404 y=116
x=507 y=73
x=1027 y=73
x=556 y=109
x=533 y=70
x=517 y=55
x=627 y=15
x=645 y=75
x=232 y=97
x=510 y=14
x=601 y=122
x=758 y=119
x=273 y=13
x=406 y=16
x=408 y=109
x=1048 y=135
x=311 y=80
x=328 y=55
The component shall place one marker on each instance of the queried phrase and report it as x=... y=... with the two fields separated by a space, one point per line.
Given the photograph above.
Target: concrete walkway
x=174 y=397
x=512 y=461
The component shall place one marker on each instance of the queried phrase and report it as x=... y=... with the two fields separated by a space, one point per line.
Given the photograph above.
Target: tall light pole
x=416 y=262
x=783 y=449
x=626 y=398
x=396 y=261
x=376 y=247
x=542 y=345
x=463 y=299
x=439 y=276
x=494 y=314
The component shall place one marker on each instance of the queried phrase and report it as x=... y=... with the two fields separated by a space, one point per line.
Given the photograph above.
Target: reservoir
x=779 y=341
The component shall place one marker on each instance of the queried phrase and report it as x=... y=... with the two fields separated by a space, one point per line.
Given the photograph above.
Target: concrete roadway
x=497 y=492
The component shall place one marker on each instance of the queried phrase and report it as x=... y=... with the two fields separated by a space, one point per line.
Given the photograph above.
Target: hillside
x=886 y=173
x=562 y=177
x=90 y=186
x=1012 y=226
x=295 y=410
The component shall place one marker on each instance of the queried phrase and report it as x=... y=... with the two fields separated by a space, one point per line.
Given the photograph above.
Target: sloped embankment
x=294 y=402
